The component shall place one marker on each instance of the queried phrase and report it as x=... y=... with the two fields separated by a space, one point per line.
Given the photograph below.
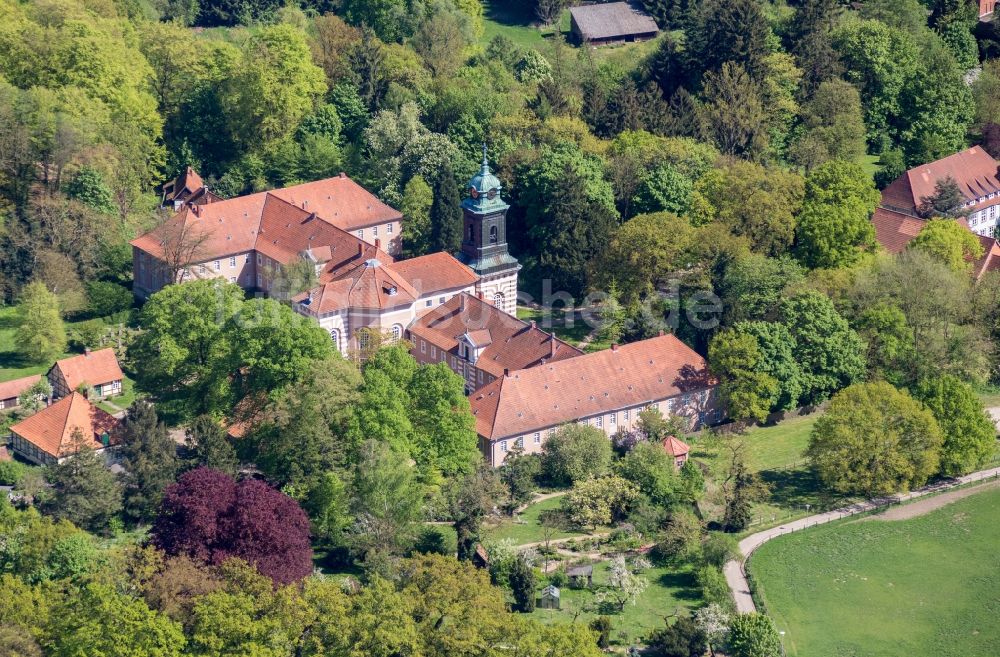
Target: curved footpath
x=735 y=570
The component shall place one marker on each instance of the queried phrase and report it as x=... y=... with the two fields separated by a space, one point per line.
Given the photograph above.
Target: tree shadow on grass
x=684 y=585
x=794 y=489
x=13 y=360
x=511 y=12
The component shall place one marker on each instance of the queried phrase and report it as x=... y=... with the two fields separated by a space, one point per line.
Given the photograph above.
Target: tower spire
x=486 y=165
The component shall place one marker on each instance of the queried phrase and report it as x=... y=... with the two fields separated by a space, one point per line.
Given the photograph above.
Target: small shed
x=580 y=576
x=677 y=449
x=612 y=22
x=550 y=597
x=480 y=558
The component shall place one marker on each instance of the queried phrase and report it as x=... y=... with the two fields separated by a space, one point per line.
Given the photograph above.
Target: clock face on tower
x=492 y=194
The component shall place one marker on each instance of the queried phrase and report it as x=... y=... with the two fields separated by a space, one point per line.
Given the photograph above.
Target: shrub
x=106 y=298
x=11 y=472
x=434 y=540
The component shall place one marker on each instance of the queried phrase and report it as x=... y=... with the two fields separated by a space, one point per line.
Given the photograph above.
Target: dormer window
x=391 y=290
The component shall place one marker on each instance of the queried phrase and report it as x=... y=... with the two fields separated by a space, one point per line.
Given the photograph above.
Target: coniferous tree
x=522 y=585
x=85 y=491
x=722 y=32
x=149 y=458
x=446 y=214
x=208 y=446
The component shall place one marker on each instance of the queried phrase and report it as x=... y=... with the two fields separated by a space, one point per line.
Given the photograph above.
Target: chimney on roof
x=342 y=175
x=552 y=346
x=479 y=295
x=506 y=372
x=194 y=208
x=533 y=324
x=378 y=243
x=86 y=351
x=614 y=346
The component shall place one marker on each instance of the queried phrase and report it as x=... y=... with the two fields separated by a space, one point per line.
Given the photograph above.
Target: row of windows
x=364 y=337
x=361 y=232
x=536 y=438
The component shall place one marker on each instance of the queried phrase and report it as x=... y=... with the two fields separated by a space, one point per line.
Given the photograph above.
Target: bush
x=574 y=453
x=435 y=540
x=11 y=472
x=106 y=298
x=602 y=627
x=558 y=578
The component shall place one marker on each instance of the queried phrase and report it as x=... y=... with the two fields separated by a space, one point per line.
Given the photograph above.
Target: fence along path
x=735 y=570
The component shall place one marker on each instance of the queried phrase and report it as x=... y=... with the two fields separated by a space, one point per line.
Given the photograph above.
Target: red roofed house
x=606 y=389
x=93 y=370
x=48 y=436
x=479 y=341
x=187 y=188
x=11 y=391
x=678 y=449
x=976 y=174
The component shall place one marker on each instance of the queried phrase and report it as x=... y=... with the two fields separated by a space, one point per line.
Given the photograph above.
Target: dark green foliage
x=149 y=459
x=106 y=298
x=208 y=446
x=681 y=639
x=970 y=436
x=602 y=626
x=522 y=584
x=519 y=472
x=434 y=540
x=88 y=187
x=946 y=201
x=446 y=214
x=84 y=490
x=722 y=32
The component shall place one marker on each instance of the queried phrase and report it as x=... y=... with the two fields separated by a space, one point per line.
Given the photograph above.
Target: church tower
x=484 y=240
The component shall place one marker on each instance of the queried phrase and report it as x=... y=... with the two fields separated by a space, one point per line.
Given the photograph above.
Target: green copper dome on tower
x=483 y=190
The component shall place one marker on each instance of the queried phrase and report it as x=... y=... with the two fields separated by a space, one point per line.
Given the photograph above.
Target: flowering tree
x=210 y=517
x=625 y=585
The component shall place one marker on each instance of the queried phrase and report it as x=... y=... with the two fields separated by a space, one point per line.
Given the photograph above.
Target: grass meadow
x=924 y=587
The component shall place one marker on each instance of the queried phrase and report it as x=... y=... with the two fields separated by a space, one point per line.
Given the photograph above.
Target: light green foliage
x=575 y=452
x=747 y=391
x=829 y=352
x=598 y=501
x=88 y=187
x=663 y=189
x=532 y=66
x=416 y=208
x=645 y=251
x=970 y=436
x=986 y=90
x=273 y=87
x=875 y=440
x=881 y=61
x=756 y=202
x=444 y=428
x=383 y=501
x=950 y=243
x=834 y=225
x=752 y=286
x=890 y=342
x=40 y=336
x=648 y=466
x=753 y=635
x=101 y=621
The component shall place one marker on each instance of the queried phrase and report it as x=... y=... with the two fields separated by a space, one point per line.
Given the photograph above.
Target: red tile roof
x=339 y=201
x=16 y=387
x=894 y=231
x=51 y=429
x=261 y=222
x=973 y=169
x=675 y=447
x=609 y=380
x=94 y=368
x=367 y=284
x=437 y=272
x=509 y=343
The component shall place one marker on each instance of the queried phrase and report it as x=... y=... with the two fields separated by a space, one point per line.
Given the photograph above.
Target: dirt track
x=928 y=504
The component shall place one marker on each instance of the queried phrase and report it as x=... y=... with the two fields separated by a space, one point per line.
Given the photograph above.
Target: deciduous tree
x=574 y=453
x=149 y=460
x=40 y=336
x=970 y=436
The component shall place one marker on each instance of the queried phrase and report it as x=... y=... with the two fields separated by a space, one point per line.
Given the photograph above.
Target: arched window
x=493 y=234
x=498 y=300
x=397 y=332
x=364 y=338
x=335 y=336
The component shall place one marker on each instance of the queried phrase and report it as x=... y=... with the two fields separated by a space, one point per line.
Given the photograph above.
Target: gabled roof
x=17 y=387
x=675 y=447
x=564 y=391
x=339 y=201
x=261 y=222
x=436 y=272
x=51 y=429
x=92 y=368
x=510 y=344
x=894 y=231
x=611 y=20
x=368 y=284
x=973 y=169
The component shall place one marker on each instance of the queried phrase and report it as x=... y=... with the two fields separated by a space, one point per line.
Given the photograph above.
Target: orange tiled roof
x=973 y=169
x=339 y=201
x=94 y=368
x=894 y=231
x=15 y=387
x=437 y=272
x=512 y=343
x=367 y=284
x=567 y=390
x=51 y=429
x=675 y=447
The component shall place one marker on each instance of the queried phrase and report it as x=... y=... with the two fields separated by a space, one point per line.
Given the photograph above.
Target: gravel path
x=928 y=504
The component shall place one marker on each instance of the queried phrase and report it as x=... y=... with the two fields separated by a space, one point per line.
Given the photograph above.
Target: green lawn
x=525 y=528
x=515 y=22
x=669 y=591
x=571 y=328
x=12 y=366
x=925 y=587
x=770 y=448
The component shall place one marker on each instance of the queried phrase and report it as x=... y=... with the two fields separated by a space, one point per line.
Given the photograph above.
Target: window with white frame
x=217 y=265
x=503 y=445
x=538 y=437
x=625 y=415
x=599 y=421
x=519 y=443
x=374 y=231
x=335 y=338
x=397 y=332
x=361 y=234
x=232 y=279
x=423 y=346
x=498 y=299
x=429 y=303
x=388 y=229
x=364 y=338
x=613 y=418
x=434 y=353
x=232 y=261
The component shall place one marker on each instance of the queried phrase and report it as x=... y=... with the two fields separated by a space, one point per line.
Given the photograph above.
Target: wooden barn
x=614 y=22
